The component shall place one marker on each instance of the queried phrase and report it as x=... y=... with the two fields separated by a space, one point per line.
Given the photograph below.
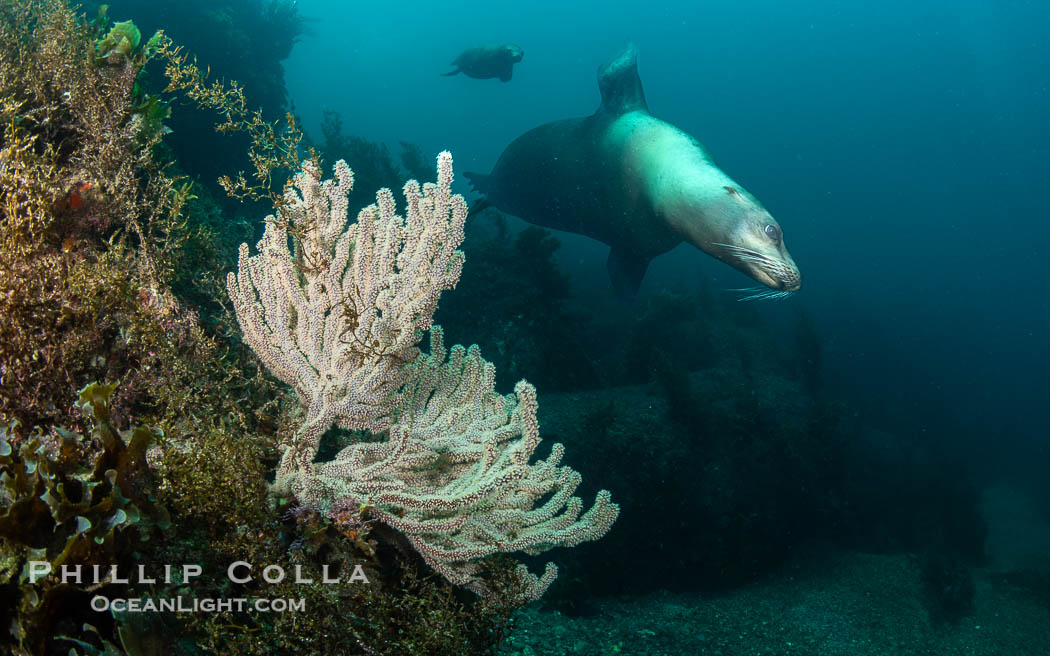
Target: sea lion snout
x=781 y=274
x=775 y=274
x=789 y=280
x=774 y=269
x=515 y=52
x=757 y=249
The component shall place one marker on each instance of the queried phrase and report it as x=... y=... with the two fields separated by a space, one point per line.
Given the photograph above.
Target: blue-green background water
x=903 y=146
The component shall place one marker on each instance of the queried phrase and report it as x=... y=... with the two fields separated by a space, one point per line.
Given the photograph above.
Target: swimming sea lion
x=488 y=61
x=638 y=184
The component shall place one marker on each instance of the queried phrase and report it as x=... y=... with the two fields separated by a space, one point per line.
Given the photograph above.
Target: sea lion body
x=488 y=62
x=568 y=172
x=638 y=184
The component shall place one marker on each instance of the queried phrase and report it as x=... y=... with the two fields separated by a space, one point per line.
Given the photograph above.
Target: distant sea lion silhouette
x=487 y=62
x=638 y=184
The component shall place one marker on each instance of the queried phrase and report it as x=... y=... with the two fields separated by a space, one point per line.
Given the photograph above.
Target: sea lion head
x=513 y=53
x=751 y=240
x=722 y=219
x=702 y=205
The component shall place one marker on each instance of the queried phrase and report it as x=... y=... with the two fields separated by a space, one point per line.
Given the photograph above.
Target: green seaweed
x=122 y=41
x=70 y=498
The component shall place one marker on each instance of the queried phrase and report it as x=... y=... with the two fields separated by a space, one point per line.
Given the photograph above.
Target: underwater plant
x=338 y=316
x=242 y=40
x=68 y=500
x=90 y=224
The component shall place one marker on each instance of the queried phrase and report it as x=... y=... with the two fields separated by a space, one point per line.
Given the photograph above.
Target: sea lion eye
x=772 y=232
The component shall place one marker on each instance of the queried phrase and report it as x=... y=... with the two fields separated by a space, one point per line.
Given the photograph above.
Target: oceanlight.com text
x=192 y=605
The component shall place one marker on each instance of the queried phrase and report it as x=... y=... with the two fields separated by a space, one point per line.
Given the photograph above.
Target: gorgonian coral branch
x=337 y=312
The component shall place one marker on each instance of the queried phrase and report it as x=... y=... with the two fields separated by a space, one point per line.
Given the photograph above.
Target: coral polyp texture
x=337 y=312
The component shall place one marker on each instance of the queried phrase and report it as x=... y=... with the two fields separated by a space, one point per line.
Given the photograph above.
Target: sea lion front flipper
x=619 y=84
x=453 y=72
x=506 y=74
x=479 y=182
x=626 y=271
x=477 y=207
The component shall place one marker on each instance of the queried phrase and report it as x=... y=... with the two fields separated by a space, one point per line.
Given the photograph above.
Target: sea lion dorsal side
x=639 y=184
x=620 y=86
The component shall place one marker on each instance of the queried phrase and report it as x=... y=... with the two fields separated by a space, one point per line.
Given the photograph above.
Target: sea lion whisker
x=774 y=267
x=748 y=292
x=756 y=260
x=756 y=295
x=736 y=248
x=753 y=297
x=752 y=256
x=761 y=293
